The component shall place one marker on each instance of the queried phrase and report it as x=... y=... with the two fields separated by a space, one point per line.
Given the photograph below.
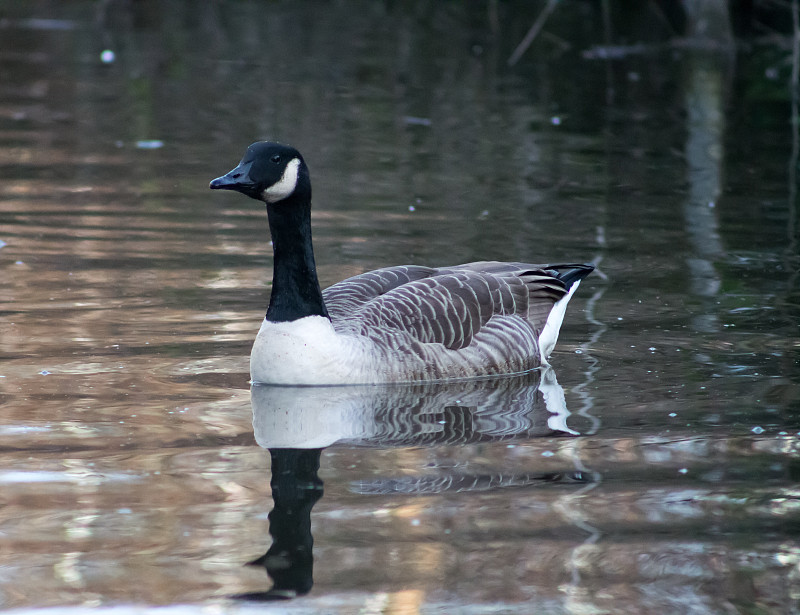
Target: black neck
x=295 y=287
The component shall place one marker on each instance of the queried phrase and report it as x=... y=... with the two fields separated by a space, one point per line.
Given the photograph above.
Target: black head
x=268 y=172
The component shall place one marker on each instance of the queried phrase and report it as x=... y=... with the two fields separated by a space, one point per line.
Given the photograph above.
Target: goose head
x=269 y=172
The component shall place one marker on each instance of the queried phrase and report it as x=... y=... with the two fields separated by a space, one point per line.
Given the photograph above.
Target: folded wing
x=448 y=305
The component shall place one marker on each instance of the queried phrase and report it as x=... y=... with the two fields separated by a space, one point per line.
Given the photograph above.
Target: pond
x=653 y=469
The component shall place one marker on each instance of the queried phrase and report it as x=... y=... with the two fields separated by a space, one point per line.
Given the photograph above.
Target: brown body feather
x=483 y=317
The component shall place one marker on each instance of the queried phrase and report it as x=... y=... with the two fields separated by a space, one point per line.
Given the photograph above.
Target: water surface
x=666 y=478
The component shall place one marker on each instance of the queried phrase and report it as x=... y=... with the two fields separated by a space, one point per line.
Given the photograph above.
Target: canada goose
x=398 y=324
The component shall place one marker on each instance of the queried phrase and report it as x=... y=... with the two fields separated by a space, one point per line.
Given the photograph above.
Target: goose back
x=480 y=318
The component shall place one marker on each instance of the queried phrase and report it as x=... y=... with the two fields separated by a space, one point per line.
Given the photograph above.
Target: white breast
x=308 y=351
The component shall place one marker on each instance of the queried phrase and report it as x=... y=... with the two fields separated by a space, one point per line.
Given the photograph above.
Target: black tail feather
x=571 y=273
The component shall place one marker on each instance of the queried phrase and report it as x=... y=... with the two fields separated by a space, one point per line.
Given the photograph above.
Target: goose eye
x=276 y=158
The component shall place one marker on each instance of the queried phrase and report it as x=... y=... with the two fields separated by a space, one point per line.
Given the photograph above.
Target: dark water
x=664 y=481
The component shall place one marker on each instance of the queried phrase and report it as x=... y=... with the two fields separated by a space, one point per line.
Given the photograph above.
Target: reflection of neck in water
x=296 y=487
x=525 y=406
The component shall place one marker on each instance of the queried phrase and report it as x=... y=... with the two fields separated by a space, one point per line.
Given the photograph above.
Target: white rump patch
x=285 y=185
x=549 y=335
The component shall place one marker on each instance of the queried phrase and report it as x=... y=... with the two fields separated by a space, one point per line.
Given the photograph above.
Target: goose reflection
x=297 y=423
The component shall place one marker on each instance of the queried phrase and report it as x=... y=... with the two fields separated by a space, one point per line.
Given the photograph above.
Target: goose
x=406 y=323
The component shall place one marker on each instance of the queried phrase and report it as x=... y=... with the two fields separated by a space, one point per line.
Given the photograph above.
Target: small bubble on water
x=44 y=372
x=124 y=511
x=548 y=454
x=415 y=522
x=757 y=430
x=555 y=120
x=107 y=56
x=673 y=414
x=652 y=349
x=411 y=208
x=683 y=470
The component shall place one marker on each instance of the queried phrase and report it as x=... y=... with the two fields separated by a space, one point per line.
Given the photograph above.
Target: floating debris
x=150 y=144
x=416 y=121
x=41 y=24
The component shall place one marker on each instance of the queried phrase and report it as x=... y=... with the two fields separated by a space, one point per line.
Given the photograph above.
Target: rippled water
x=654 y=470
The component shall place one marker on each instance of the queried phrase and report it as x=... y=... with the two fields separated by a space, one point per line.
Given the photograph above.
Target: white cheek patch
x=285 y=185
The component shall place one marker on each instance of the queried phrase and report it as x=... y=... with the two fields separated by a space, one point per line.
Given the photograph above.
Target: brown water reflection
x=129 y=296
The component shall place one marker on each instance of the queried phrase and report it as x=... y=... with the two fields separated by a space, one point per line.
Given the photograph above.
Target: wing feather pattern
x=484 y=316
x=347 y=296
